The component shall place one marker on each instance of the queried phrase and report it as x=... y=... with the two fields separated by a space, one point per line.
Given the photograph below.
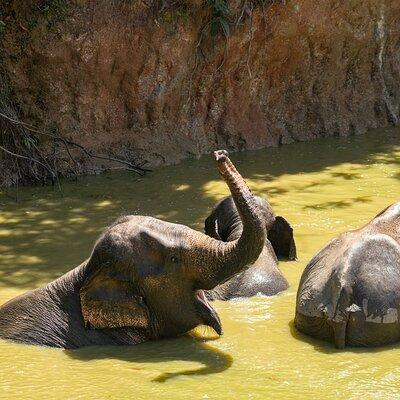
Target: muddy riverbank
x=154 y=85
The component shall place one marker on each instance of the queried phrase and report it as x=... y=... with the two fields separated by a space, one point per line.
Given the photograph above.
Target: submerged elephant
x=144 y=280
x=263 y=276
x=350 y=291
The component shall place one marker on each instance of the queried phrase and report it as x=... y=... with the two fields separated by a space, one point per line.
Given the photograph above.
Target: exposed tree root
x=20 y=141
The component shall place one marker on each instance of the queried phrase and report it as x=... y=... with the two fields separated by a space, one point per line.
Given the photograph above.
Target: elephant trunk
x=217 y=261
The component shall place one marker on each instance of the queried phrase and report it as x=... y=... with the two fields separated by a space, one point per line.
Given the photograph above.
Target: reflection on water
x=322 y=188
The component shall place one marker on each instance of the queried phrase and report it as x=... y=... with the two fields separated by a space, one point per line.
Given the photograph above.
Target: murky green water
x=322 y=188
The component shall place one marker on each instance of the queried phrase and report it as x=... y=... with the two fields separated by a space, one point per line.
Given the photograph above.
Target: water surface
x=323 y=188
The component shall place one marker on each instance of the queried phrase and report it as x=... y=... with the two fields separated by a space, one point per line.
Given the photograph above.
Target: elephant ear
x=281 y=237
x=109 y=299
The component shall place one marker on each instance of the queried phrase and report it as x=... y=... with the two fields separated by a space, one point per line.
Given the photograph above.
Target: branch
x=28 y=158
x=131 y=167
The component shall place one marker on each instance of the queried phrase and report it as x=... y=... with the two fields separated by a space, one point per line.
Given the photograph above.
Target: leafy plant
x=172 y=17
x=220 y=16
x=55 y=11
x=28 y=141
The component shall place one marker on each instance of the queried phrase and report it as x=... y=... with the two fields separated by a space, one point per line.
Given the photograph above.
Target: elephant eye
x=174 y=259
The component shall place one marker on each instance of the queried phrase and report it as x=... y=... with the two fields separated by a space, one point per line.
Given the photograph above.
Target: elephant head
x=149 y=274
x=263 y=276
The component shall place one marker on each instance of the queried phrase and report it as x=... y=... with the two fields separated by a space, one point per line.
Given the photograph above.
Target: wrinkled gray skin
x=349 y=293
x=263 y=276
x=143 y=281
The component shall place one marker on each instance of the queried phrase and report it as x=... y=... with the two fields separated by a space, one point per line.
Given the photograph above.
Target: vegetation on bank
x=30 y=155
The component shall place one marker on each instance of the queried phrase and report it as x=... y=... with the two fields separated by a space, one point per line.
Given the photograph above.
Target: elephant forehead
x=227 y=205
x=172 y=237
x=150 y=232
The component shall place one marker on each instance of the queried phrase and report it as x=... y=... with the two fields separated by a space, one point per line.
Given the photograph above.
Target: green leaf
x=225 y=26
x=214 y=27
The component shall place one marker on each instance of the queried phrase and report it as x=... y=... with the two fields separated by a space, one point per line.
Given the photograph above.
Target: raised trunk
x=217 y=261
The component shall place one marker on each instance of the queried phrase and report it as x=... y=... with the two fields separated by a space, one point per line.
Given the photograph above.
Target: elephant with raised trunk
x=349 y=293
x=144 y=280
x=263 y=276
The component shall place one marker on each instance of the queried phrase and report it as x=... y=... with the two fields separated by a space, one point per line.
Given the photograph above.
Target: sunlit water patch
x=322 y=188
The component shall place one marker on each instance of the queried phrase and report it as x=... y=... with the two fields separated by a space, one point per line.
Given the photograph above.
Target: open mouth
x=209 y=315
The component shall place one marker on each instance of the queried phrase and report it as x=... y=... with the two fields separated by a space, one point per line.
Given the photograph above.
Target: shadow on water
x=44 y=235
x=329 y=348
x=187 y=348
x=346 y=175
x=338 y=204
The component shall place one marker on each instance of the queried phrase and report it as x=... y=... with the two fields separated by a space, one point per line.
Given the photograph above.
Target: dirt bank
x=151 y=83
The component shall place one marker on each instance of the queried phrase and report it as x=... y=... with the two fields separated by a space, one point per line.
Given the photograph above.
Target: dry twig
x=49 y=163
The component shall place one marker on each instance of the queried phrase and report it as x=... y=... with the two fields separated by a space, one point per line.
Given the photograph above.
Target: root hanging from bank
x=30 y=155
x=233 y=19
x=35 y=156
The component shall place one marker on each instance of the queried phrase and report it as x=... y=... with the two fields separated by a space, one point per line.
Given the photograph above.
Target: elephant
x=144 y=280
x=349 y=293
x=263 y=276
